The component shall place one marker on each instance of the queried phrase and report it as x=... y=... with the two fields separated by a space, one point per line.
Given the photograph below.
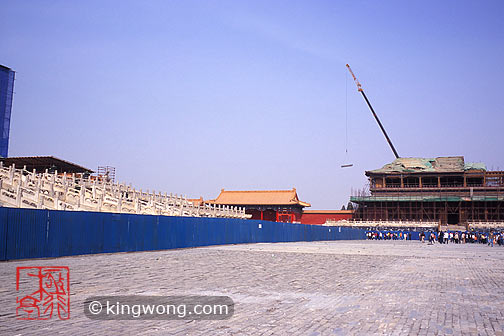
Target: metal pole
x=380 y=124
x=359 y=88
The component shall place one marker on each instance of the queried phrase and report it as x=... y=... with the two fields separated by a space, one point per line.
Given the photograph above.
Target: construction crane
x=359 y=88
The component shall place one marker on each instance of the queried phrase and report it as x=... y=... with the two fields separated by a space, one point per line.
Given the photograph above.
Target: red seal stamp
x=43 y=291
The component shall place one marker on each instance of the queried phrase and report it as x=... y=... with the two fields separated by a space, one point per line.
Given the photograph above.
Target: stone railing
x=20 y=188
x=382 y=224
x=486 y=224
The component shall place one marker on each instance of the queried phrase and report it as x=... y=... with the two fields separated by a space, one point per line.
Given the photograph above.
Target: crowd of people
x=490 y=238
x=388 y=235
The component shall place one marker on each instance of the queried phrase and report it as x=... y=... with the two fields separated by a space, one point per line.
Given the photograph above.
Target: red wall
x=270 y=215
x=321 y=217
x=311 y=217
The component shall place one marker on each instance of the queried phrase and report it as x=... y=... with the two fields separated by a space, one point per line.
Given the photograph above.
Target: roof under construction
x=446 y=164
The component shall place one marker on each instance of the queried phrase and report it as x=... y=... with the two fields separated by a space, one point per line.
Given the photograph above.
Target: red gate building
x=270 y=205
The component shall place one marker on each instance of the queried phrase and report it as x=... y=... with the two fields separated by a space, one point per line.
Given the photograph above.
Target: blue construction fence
x=32 y=233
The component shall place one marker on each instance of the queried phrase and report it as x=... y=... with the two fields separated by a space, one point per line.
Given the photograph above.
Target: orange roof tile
x=196 y=201
x=259 y=197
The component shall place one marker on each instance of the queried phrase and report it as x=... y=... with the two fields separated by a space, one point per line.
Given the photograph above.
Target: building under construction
x=445 y=190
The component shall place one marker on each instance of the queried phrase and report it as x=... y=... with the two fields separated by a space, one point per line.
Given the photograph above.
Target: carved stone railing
x=382 y=224
x=20 y=188
x=486 y=225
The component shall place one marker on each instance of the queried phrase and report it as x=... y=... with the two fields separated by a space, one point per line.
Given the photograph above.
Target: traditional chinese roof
x=196 y=201
x=41 y=163
x=259 y=197
x=446 y=164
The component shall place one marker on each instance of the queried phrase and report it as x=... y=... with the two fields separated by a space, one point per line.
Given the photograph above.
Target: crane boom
x=359 y=88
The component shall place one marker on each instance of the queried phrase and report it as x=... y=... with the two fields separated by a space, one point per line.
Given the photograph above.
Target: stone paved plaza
x=306 y=288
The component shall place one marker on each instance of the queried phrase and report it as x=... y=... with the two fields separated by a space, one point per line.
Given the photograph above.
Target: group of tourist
x=388 y=235
x=490 y=238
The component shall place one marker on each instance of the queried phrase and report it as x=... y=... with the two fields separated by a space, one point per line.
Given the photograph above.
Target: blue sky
x=193 y=96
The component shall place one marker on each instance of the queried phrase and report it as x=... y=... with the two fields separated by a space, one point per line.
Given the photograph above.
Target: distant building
x=42 y=163
x=270 y=205
x=197 y=201
x=445 y=190
x=6 y=94
x=319 y=217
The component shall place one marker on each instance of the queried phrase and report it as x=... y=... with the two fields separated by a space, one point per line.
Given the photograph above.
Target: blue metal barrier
x=29 y=233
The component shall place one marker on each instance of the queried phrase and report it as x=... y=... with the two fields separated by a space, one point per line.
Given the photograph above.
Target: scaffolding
x=445 y=190
x=447 y=209
x=107 y=173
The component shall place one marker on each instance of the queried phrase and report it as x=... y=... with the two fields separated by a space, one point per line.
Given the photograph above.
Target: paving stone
x=305 y=288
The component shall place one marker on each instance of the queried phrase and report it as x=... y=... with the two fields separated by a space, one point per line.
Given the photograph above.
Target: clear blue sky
x=193 y=96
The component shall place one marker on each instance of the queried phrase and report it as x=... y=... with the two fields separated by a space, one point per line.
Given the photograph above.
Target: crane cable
x=346 y=165
x=346 y=114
